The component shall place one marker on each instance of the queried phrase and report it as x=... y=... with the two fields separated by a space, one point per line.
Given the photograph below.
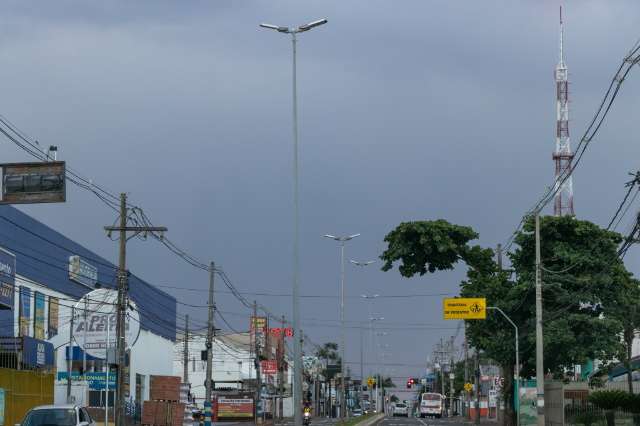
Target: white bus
x=431 y=404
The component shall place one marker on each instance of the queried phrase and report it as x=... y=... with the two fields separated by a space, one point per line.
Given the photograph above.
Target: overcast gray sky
x=409 y=110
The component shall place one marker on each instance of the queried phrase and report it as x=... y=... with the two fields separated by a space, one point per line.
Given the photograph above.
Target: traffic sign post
x=465 y=308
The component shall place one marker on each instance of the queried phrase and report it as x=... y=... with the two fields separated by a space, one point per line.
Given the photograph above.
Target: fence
x=589 y=415
x=23 y=390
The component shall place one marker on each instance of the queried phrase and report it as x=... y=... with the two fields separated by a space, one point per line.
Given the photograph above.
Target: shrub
x=609 y=399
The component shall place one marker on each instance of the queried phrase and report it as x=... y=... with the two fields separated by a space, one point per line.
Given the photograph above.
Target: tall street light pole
x=297 y=341
x=539 y=335
x=343 y=397
x=370 y=298
x=362 y=264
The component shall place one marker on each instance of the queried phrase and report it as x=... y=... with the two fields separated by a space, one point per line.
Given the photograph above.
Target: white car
x=58 y=415
x=401 y=409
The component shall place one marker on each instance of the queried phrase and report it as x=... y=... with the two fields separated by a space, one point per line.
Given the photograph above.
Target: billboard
x=28 y=183
x=7 y=279
x=234 y=408
x=54 y=309
x=269 y=366
x=258 y=332
x=38 y=315
x=25 y=311
x=91 y=330
x=82 y=271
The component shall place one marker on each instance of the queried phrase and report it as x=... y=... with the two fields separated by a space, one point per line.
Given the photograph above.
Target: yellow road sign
x=468 y=387
x=458 y=308
x=371 y=381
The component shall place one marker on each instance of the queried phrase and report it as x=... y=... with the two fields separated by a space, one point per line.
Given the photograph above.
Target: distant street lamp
x=297 y=342
x=342 y=240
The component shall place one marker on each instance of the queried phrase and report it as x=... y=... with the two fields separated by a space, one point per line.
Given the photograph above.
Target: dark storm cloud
x=409 y=110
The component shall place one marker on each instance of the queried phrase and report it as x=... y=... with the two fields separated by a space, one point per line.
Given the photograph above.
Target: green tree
x=329 y=354
x=581 y=268
x=627 y=312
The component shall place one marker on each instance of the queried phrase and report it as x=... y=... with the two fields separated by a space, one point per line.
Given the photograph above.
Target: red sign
x=277 y=331
x=269 y=366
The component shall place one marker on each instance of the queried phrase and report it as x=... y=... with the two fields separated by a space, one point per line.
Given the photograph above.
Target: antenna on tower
x=562 y=157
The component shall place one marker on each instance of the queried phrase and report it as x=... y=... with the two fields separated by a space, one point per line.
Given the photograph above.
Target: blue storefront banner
x=38 y=318
x=25 y=310
x=7 y=279
x=37 y=353
x=96 y=380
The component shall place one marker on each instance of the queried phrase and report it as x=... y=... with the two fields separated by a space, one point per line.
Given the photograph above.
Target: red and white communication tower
x=562 y=157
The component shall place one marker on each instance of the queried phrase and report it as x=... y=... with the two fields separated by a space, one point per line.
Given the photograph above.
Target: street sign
x=468 y=387
x=29 y=183
x=458 y=308
x=371 y=381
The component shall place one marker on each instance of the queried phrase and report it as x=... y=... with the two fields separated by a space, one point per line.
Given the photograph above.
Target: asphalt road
x=415 y=421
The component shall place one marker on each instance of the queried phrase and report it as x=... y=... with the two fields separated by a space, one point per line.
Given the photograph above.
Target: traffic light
x=410 y=383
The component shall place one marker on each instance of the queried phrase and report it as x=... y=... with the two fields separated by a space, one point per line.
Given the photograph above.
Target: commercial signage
x=234 y=407
x=459 y=308
x=258 y=330
x=278 y=331
x=36 y=352
x=82 y=271
x=38 y=316
x=101 y=318
x=54 y=309
x=25 y=311
x=95 y=380
x=7 y=279
x=269 y=366
x=28 y=183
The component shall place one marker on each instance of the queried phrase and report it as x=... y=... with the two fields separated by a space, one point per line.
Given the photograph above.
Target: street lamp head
x=333 y=237
x=310 y=25
x=351 y=237
x=275 y=27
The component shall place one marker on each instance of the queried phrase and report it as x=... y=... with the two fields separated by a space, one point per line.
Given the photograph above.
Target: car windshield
x=51 y=417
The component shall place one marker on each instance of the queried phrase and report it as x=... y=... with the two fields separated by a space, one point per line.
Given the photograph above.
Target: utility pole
x=539 y=336
x=123 y=300
x=466 y=370
x=209 y=345
x=257 y=362
x=281 y=369
x=451 y=377
x=185 y=352
x=499 y=256
x=477 y=387
x=70 y=355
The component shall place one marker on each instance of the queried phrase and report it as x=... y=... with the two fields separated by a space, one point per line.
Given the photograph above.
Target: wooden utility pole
x=123 y=300
x=70 y=356
x=210 y=336
x=185 y=352
x=257 y=361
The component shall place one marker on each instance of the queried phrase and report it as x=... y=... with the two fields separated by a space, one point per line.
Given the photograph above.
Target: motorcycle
x=306 y=421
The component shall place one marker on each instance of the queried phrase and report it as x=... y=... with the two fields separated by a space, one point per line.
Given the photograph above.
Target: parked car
x=356 y=412
x=400 y=409
x=58 y=415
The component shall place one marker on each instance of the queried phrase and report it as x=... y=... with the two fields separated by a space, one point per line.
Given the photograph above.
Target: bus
x=432 y=404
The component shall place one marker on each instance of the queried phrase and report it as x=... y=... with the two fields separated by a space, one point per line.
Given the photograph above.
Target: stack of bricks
x=164 y=408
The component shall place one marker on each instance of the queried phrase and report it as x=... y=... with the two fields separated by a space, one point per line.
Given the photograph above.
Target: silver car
x=58 y=415
x=401 y=409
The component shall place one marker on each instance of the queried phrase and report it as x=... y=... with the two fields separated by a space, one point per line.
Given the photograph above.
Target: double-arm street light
x=297 y=341
x=342 y=240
